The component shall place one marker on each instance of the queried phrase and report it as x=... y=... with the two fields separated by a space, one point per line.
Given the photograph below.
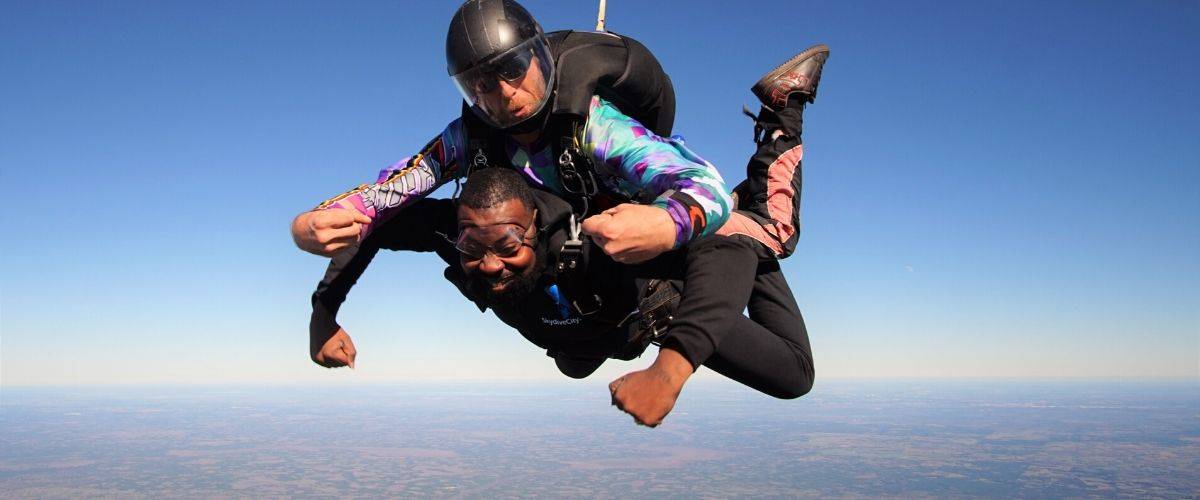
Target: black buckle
x=569 y=264
x=480 y=160
x=656 y=310
x=570 y=259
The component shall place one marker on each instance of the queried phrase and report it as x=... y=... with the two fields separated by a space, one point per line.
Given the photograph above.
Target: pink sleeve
x=403 y=182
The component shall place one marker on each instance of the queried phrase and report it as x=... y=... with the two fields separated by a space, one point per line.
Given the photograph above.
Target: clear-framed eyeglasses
x=502 y=240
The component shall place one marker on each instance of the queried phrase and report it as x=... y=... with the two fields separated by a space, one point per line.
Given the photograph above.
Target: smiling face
x=501 y=268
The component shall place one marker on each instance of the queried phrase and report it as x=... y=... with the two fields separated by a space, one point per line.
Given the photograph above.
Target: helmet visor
x=512 y=86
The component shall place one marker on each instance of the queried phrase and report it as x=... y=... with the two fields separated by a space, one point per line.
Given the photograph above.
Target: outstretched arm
x=348 y=218
x=328 y=344
x=419 y=228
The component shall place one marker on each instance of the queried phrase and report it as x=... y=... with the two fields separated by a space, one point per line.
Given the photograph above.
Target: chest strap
x=571 y=274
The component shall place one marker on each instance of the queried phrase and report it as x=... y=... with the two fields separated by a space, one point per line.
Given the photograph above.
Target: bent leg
x=718 y=276
x=718 y=280
x=769 y=351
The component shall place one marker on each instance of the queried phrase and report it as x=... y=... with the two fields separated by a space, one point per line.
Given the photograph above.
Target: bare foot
x=649 y=395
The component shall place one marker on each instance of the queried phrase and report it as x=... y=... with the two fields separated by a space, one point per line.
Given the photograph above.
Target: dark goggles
x=478 y=83
x=509 y=67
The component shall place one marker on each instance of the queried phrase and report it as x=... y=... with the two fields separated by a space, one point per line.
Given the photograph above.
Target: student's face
x=496 y=247
x=513 y=101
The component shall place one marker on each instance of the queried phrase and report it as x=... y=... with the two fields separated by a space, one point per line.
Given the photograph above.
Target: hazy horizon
x=955 y=439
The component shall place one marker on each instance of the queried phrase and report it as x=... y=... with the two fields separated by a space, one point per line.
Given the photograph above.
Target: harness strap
x=655 y=312
x=576 y=172
x=485 y=146
x=571 y=273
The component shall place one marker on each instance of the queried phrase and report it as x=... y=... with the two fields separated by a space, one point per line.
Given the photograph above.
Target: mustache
x=504 y=277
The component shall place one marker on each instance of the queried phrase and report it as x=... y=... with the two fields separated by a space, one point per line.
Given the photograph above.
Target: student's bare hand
x=632 y=233
x=338 y=351
x=325 y=232
x=649 y=395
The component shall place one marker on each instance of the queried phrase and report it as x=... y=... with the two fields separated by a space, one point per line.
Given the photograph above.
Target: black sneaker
x=799 y=74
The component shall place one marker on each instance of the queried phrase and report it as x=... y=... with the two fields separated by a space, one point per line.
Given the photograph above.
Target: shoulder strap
x=616 y=67
x=576 y=172
x=485 y=145
x=570 y=274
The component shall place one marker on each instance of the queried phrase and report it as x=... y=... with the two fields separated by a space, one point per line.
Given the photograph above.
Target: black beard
x=519 y=286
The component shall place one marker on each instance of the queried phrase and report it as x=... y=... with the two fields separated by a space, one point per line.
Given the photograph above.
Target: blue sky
x=992 y=189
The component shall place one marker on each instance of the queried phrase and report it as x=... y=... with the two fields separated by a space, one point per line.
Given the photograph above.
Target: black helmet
x=494 y=40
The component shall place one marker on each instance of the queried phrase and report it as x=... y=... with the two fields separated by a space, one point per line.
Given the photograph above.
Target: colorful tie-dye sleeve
x=405 y=181
x=688 y=187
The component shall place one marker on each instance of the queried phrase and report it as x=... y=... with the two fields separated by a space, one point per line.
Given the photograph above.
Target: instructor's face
x=516 y=100
x=496 y=248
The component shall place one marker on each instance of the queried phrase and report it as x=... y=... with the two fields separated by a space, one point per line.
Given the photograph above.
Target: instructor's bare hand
x=338 y=351
x=325 y=232
x=632 y=233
